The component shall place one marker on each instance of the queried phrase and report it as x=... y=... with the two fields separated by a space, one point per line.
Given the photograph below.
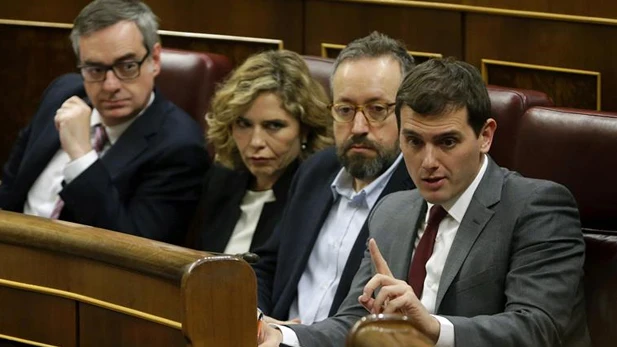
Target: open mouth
x=434 y=182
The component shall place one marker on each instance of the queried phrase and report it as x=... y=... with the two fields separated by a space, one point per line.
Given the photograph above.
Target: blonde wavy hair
x=283 y=73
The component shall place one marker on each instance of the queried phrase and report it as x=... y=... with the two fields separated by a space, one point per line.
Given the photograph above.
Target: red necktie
x=417 y=270
x=100 y=138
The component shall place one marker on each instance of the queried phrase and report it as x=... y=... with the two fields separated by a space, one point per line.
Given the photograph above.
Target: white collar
x=457 y=207
x=114 y=132
x=343 y=184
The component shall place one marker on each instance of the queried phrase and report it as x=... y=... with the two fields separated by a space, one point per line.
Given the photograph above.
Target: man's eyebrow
x=122 y=58
x=452 y=133
x=369 y=101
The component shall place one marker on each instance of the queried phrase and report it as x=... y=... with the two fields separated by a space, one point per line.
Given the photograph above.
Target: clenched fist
x=73 y=123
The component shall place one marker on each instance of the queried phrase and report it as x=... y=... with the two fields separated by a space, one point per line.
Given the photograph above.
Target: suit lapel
x=306 y=236
x=475 y=220
x=402 y=248
x=135 y=139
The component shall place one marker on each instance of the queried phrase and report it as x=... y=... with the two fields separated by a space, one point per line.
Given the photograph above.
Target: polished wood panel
x=197 y=286
x=550 y=43
x=271 y=19
x=236 y=48
x=332 y=51
x=566 y=87
x=594 y=8
x=121 y=290
x=340 y=23
x=99 y=327
x=32 y=57
x=37 y=317
x=391 y=330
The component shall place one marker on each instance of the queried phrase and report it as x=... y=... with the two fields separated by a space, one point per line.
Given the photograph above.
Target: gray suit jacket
x=513 y=276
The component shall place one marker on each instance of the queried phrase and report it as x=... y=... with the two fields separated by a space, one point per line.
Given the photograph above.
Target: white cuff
x=79 y=165
x=446 y=332
x=289 y=336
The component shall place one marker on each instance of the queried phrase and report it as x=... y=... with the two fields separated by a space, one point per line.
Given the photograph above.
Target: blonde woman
x=267 y=117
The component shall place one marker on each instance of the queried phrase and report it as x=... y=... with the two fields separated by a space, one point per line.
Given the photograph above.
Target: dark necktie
x=417 y=270
x=98 y=143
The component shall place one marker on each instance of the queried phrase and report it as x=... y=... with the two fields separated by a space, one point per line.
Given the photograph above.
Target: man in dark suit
x=306 y=267
x=104 y=149
x=477 y=255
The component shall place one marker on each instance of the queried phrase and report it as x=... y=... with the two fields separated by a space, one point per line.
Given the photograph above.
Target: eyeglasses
x=374 y=112
x=124 y=70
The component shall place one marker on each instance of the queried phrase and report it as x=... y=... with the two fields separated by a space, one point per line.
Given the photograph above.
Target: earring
x=303 y=146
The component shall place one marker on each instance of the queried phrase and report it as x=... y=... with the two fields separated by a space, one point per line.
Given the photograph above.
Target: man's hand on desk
x=271 y=320
x=269 y=337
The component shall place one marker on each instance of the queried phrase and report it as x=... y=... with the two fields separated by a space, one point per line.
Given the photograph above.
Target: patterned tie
x=417 y=270
x=98 y=142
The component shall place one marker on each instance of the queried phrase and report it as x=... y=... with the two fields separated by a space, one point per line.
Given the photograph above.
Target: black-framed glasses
x=124 y=70
x=374 y=112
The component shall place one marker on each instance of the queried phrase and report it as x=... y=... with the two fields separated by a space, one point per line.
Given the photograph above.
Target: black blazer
x=285 y=256
x=147 y=184
x=219 y=208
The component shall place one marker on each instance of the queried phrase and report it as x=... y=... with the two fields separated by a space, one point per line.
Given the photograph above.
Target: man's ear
x=156 y=59
x=486 y=135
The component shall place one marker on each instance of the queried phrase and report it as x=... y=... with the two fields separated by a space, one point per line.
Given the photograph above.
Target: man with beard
x=306 y=267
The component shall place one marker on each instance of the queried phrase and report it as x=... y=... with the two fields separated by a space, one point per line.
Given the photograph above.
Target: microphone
x=248 y=257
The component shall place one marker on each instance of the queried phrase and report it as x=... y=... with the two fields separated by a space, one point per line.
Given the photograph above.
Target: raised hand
x=395 y=296
x=73 y=123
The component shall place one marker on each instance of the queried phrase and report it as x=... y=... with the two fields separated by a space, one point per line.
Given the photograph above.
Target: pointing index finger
x=381 y=266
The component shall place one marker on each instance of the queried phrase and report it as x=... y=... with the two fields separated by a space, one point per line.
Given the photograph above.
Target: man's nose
x=429 y=161
x=111 y=82
x=360 y=124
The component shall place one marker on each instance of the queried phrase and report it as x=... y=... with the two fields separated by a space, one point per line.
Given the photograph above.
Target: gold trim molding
x=92 y=301
x=274 y=42
x=326 y=46
x=33 y=343
x=597 y=74
x=489 y=10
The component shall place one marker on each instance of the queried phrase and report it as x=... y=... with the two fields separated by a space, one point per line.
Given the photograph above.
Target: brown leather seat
x=507 y=107
x=320 y=69
x=189 y=79
x=577 y=149
x=601 y=288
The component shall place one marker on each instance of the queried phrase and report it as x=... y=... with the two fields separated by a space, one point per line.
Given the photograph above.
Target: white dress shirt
x=456 y=208
x=251 y=207
x=44 y=193
x=320 y=279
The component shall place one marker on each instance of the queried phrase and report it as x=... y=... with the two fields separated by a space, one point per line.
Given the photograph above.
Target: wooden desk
x=64 y=284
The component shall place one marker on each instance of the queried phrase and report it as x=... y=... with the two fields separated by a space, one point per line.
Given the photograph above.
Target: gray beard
x=363 y=168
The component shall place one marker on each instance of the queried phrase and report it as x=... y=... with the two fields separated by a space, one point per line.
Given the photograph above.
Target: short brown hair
x=283 y=73
x=375 y=45
x=438 y=86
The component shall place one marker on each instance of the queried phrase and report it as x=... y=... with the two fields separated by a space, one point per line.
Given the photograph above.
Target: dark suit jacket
x=513 y=276
x=219 y=208
x=146 y=184
x=285 y=255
